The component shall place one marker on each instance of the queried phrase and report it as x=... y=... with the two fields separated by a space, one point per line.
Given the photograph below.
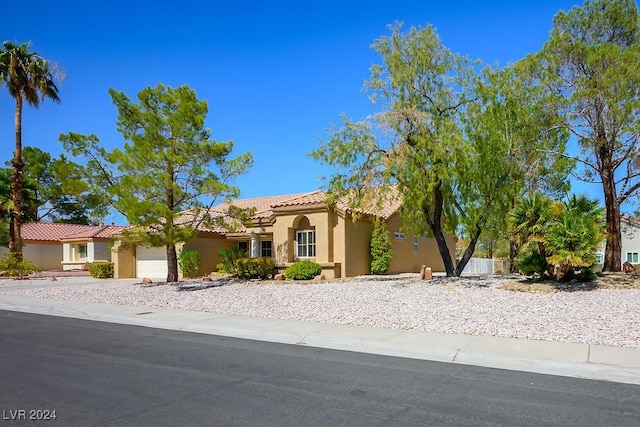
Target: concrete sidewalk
x=547 y=357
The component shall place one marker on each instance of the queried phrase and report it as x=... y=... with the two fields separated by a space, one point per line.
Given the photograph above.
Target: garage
x=151 y=262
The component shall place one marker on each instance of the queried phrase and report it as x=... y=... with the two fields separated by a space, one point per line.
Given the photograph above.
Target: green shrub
x=586 y=275
x=189 y=263
x=381 y=248
x=303 y=270
x=532 y=264
x=255 y=268
x=561 y=238
x=18 y=269
x=228 y=258
x=101 y=270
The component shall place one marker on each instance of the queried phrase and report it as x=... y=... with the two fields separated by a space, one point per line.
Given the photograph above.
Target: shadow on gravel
x=386 y=278
x=200 y=286
x=549 y=286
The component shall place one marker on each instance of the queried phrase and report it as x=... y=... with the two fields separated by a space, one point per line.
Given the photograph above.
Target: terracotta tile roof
x=631 y=220
x=304 y=199
x=96 y=232
x=262 y=205
x=391 y=200
x=54 y=232
x=194 y=215
x=265 y=206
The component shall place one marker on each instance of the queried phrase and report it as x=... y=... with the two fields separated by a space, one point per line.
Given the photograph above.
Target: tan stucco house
x=293 y=227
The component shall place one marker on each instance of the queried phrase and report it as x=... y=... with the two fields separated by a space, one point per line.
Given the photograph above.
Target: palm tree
x=7 y=211
x=29 y=77
x=531 y=219
x=576 y=235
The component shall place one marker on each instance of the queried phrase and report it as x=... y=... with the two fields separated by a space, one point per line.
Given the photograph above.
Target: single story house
x=294 y=227
x=56 y=246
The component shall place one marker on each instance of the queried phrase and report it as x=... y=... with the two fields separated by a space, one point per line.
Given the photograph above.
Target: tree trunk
x=435 y=223
x=514 y=249
x=468 y=253
x=172 y=263
x=15 y=242
x=172 y=257
x=613 y=248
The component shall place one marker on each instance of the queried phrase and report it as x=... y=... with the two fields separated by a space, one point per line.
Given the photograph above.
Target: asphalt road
x=93 y=373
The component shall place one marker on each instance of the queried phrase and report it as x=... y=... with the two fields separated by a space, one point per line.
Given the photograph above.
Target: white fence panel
x=479 y=266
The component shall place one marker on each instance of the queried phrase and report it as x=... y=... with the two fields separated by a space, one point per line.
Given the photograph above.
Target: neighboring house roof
x=632 y=221
x=96 y=232
x=55 y=232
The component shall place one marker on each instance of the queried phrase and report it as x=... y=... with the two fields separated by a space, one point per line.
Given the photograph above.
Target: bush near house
x=189 y=263
x=381 y=248
x=101 y=270
x=13 y=267
x=255 y=268
x=303 y=270
x=229 y=258
x=238 y=264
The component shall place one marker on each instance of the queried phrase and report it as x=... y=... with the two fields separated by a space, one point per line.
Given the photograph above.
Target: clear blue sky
x=275 y=75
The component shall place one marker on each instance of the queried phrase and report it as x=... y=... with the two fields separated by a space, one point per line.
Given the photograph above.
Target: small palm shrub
x=189 y=263
x=532 y=264
x=303 y=270
x=101 y=270
x=19 y=269
x=558 y=239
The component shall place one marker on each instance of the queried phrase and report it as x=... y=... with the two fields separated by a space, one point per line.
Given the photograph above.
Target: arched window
x=305 y=240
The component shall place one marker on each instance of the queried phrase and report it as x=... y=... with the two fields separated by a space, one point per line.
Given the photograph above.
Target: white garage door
x=151 y=262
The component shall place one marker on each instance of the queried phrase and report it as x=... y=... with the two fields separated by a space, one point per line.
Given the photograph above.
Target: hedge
x=101 y=270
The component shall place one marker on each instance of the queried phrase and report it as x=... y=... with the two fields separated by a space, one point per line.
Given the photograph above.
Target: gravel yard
x=604 y=313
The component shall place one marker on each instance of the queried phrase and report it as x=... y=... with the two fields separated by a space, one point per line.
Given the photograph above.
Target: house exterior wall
x=630 y=240
x=71 y=259
x=353 y=248
x=339 y=239
x=343 y=245
x=101 y=251
x=283 y=246
x=47 y=256
x=207 y=248
x=284 y=239
x=406 y=259
x=357 y=247
x=630 y=243
x=124 y=261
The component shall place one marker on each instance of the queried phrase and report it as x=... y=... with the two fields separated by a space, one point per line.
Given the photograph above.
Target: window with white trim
x=265 y=248
x=632 y=257
x=599 y=258
x=415 y=243
x=82 y=251
x=306 y=243
x=398 y=236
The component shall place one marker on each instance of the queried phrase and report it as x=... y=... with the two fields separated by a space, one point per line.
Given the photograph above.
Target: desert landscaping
x=603 y=312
